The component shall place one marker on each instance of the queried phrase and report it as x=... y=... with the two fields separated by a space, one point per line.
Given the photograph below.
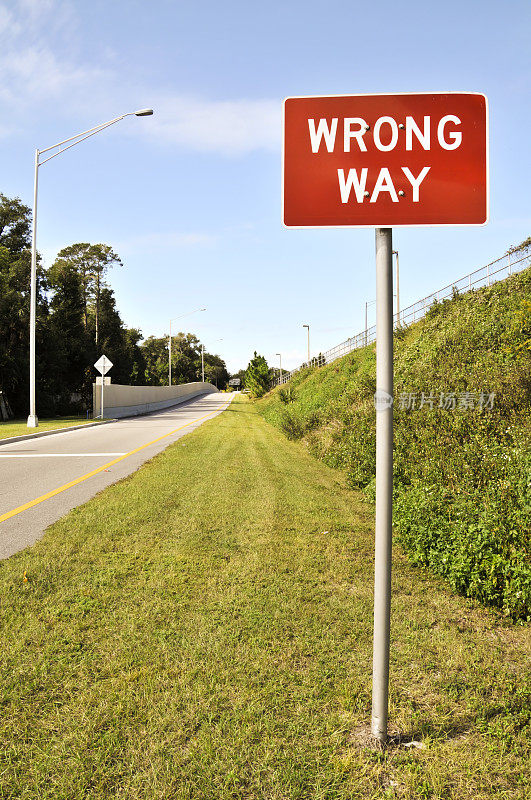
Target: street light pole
x=307 y=326
x=33 y=420
x=280 y=356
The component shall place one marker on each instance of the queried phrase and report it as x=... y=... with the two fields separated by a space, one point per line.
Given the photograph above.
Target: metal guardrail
x=485 y=276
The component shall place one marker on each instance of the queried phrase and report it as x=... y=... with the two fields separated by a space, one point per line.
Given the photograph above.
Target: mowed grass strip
x=20 y=427
x=203 y=629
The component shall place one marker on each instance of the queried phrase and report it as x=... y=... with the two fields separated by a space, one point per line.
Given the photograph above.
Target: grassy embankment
x=202 y=630
x=462 y=477
x=20 y=428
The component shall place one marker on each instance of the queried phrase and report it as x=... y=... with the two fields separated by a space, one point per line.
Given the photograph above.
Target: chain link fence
x=500 y=269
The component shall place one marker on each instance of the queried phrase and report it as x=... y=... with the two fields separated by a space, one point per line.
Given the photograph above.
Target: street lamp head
x=144 y=112
x=305 y=326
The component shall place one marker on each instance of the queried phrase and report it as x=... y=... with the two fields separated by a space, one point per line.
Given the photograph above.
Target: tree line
x=77 y=321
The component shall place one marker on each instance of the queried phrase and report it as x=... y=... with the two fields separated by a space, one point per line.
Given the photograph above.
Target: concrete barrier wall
x=129 y=401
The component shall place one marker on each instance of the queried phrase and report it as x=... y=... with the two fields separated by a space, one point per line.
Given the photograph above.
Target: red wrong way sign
x=386 y=160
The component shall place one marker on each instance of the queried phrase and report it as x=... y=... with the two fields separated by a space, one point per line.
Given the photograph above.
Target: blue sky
x=190 y=198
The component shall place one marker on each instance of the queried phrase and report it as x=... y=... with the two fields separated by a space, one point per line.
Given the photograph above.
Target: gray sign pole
x=104 y=371
x=384 y=481
x=102 y=382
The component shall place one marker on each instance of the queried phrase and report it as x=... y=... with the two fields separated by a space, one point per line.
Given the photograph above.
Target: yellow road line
x=69 y=485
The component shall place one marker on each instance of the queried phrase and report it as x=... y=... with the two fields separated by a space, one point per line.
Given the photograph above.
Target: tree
x=15 y=271
x=15 y=225
x=155 y=354
x=114 y=341
x=257 y=377
x=520 y=248
x=216 y=370
x=136 y=357
x=102 y=322
x=186 y=361
x=92 y=262
x=14 y=322
x=73 y=347
x=186 y=358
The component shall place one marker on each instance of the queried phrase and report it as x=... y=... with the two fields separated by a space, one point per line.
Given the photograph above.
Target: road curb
x=13 y=439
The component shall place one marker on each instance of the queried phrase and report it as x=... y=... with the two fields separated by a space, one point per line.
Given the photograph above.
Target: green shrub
x=286 y=394
x=291 y=425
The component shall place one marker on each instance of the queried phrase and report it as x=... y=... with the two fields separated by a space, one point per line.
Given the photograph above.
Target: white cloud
x=39 y=66
x=37 y=16
x=33 y=71
x=229 y=127
x=7 y=22
x=36 y=75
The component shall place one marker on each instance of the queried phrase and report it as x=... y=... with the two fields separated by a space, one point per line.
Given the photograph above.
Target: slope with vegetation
x=461 y=475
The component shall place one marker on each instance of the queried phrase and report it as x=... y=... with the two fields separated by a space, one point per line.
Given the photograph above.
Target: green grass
x=19 y=427
x=202 y=630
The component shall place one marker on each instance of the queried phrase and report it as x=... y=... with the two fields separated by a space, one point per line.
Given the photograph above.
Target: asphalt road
x=35 y=474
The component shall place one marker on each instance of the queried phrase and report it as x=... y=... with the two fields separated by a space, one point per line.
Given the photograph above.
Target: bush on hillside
x=286 y=394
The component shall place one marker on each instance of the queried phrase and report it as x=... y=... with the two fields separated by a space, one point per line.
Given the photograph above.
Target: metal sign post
x=383 y=401
x=385 y=160
x=103 y=365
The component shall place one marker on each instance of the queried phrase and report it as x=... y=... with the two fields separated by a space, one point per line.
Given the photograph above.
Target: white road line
x=58 y=455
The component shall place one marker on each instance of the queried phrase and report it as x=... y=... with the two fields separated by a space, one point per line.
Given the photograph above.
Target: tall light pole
x=169 y=342
x=33 y=420
x=307 y=326
x=395 y=252
x=280 y=356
